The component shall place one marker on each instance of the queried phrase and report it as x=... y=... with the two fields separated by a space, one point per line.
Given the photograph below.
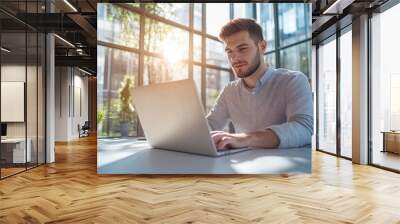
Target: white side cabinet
x=18 y=149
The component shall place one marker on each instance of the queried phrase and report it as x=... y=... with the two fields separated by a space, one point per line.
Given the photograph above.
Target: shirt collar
x=262 y=80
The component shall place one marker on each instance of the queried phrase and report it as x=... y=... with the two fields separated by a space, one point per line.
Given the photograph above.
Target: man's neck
x=251 y=80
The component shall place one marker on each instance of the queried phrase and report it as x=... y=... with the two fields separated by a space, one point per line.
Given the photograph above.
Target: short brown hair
x=242 y=24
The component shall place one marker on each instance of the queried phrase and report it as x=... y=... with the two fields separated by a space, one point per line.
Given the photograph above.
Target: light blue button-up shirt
x=280 y=101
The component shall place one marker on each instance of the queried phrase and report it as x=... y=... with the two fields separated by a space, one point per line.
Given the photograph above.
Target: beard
x=252 y=69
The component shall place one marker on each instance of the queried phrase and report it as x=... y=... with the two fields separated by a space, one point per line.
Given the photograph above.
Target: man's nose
x=234 y=57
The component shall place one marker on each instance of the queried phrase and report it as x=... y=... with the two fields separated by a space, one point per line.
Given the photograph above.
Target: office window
x=327 y=96
x=196 y=48
x=197 y=16
x=216 y=81
x=346 y=94
x=265 y=17
x=385 y=88
x=297 y=58
x=243 y=10
x=117 y=25
x=120 y=70
x=217 y=14
x=215 y=53
x=171 y=42
x=177 y=12
x=294 y=23
x=270 y=59
x=157 y=70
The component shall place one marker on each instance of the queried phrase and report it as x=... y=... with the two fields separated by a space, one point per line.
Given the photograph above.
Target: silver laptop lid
x=173 y=118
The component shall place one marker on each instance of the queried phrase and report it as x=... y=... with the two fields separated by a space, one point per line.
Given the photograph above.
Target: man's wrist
x=275 y=141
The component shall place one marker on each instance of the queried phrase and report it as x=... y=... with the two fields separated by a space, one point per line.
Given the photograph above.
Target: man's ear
x=263 y=45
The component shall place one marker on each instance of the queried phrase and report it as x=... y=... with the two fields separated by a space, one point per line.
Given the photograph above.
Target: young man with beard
x=268 y=107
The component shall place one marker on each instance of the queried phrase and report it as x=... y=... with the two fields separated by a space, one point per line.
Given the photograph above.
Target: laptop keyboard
x=230 y=151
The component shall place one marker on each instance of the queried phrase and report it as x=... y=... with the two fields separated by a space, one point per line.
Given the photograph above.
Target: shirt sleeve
x=218 y=116
x=298 y=129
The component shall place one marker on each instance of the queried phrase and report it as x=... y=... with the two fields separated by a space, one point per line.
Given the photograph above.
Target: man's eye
x=242 y=49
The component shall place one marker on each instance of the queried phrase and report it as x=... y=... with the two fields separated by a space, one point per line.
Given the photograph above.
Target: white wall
x=70 y=84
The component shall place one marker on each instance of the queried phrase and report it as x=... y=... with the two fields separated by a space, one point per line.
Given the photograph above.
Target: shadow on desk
x=138 y=158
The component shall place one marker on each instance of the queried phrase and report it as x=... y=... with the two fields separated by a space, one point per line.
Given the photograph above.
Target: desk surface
x=128 y=156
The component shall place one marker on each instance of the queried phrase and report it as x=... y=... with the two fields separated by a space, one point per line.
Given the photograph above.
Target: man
x=268 y=107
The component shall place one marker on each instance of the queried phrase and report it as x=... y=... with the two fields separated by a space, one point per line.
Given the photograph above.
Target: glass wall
x=160 y=42
x=327 y=96
x=22 y=93
x=334 y=63
x=346 y=93
x=385 y=89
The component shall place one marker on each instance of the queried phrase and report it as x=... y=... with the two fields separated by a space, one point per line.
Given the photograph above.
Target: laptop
x=173 y=118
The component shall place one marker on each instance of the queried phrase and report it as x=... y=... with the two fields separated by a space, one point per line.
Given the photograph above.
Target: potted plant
x=126 y=108
x=100 y=118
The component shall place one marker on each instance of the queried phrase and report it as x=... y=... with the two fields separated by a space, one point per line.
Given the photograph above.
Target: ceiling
x=330 y=15
x=75 y=22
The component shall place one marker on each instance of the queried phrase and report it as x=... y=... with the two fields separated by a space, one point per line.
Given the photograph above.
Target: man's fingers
x=217 y=136
x=224 y=142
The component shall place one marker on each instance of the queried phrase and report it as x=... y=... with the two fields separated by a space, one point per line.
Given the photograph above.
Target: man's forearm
x=262 y=139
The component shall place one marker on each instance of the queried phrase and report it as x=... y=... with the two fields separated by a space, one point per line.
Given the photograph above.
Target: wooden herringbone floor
x=70 y=191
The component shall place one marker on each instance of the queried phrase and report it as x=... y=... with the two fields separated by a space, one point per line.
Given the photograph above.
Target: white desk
x=18 y=149
x=128 y=156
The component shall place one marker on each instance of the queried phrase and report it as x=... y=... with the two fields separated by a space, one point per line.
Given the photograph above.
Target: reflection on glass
x=215 y=53
x=297 y=58
x=177 y=12
x=327 y=97
x=197 y=78
x=157 y=70
x=117 y=25
x=217 y=14
x=265 y=17
x=197 y=21
x=120 y=73
x=216 y=81
x=346 y=94
x=243 y=10
x=294 y=22
x=196 y=47
x=171 y=42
